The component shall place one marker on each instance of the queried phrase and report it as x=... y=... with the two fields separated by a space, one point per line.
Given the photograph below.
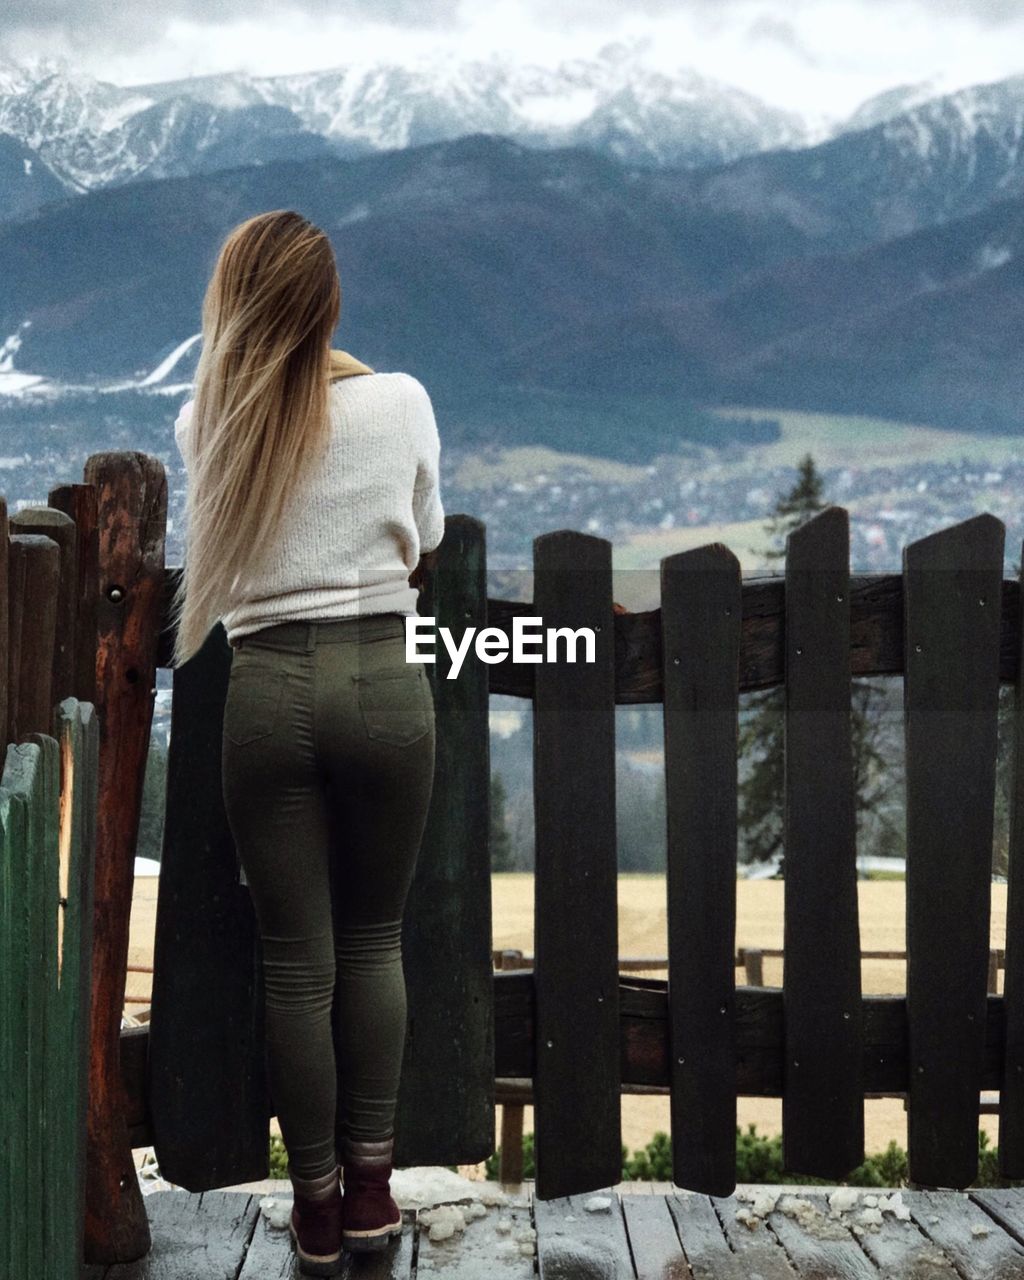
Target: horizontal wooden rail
x=743 y=954
x=643 y=1042
x=876 y=637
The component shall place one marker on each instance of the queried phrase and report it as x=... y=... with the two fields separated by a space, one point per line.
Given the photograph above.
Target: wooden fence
x=48 y=796
x=574 y=1026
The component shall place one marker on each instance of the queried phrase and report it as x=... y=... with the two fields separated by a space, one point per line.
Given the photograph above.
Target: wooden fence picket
x=952 y=610
x=701 y=623
x=578 y=1147
x=1011 y=1096
x=823 y=1092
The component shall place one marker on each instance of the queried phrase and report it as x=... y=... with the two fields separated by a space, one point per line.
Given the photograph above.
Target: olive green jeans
x=328 y=767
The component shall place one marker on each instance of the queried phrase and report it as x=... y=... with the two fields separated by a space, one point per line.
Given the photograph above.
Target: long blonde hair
x=261 y=411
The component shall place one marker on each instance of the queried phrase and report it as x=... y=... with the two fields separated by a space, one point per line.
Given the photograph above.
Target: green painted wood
x=1011 y=1094
x=445 y=1109
x=576 y=1081
x=5 y=630
x=49 y=1155
x=823 y=1091
x=11 y=1050
x=208 y=1093
x=701 y=613
x=22 y=790
x=952 y=596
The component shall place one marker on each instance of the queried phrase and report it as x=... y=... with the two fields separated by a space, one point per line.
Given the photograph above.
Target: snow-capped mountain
x=946 y=158
x=94 y=134
x=889 y=103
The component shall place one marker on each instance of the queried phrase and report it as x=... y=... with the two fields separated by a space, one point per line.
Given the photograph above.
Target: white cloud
x=821 y=57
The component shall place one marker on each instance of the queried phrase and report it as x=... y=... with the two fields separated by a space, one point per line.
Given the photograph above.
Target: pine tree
x=501 y=841
x=762 y=726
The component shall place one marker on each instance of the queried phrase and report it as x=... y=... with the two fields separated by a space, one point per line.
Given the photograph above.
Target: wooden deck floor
x=651 y=1231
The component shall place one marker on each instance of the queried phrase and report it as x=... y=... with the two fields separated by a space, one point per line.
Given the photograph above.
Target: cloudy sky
x=821 y=57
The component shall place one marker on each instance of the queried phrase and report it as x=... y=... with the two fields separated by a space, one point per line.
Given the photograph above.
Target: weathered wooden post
x=132 y=514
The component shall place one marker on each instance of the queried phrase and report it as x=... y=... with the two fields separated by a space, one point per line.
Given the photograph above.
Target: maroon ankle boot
x=315 y=1224
x=369 y=1215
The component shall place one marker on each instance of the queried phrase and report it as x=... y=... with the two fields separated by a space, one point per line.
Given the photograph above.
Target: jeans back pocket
x=393 y=703
x=253 y=702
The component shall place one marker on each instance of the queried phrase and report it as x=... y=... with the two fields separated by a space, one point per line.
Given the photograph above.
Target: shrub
x=759 y=1159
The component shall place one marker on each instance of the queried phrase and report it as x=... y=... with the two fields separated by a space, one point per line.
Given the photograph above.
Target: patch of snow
x=167 y=364
x=277 y=1211
x=16 y=384
x=844 y=1198
x=991 y=256
x=559 y=109
x=12 y=381
x=442 y=1222
x=357 y=213
x=431 y=1185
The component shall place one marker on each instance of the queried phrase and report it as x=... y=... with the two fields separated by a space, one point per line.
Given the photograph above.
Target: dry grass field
x=642 y=932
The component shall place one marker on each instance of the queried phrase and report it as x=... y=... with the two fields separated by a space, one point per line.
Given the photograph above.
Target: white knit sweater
x=350 y=540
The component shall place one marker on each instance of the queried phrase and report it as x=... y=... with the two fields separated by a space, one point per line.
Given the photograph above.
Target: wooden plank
x=132 y=514
x=481 y=1251
x=78 y=735
x=700 y=607
x=194 y=1235
x=704 y=1241
x=643 y=1044
x=1011 y=1096
x=757 y=1248
x=445 y=1107
x=952 y=595
x=22 y=1242
x=209 y=1100
x=653 y=1239
x=47 y=1159
x=895 y=1247
x=582 y=1243
x=947 y=1219
x=5 y=635
x=821 y=1248
x=60 y=528
x=11 y=1143
x=270 y=1255
x=1005 y=1205
x=823 y=1085
x=876 y=638
x=79 y=502
x=578 y=1147
x=34 y=577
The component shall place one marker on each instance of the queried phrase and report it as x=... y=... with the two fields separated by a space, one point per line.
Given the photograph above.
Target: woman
x=312 y=496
